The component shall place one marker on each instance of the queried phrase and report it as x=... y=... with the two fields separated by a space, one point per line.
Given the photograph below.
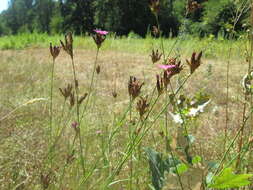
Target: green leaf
x=227 y=179
x=182 y=168
x=196 y=160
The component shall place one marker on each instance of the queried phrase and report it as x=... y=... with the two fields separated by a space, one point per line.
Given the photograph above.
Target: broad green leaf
x=196 y=160
x=227 y=179
x=182 y=168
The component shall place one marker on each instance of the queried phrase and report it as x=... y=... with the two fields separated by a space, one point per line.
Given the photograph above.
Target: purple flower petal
x=166 y=67
x=101 y=32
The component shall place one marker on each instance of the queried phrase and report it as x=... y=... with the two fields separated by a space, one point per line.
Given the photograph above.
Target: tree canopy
x=123 y=16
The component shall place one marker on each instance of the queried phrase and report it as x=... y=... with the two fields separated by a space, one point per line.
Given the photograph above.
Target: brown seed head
x=68 y=45
x=195 y=61
x=155 y=31
x=66 y=91
x=142 y=106
x=134 y=87
x=114 y=94
x=98 y=69
x=82 y=98
x=159 y=84
x=155 y=56
x=55 y=51
x=45 y=180
x=154 y=6
x=72 y=99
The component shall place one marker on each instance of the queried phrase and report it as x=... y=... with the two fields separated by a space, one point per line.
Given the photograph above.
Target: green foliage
x=227 y=179
x=159 y=165
x=121 y=16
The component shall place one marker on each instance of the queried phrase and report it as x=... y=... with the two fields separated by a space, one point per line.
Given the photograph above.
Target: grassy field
x=111 y=147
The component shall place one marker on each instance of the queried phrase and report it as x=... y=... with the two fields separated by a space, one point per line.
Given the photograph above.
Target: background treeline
x=121 y=16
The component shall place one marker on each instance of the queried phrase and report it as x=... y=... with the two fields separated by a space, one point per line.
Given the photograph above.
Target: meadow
x=108 y=130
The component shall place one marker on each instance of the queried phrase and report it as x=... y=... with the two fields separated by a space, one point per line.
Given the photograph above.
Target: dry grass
x=24 y=75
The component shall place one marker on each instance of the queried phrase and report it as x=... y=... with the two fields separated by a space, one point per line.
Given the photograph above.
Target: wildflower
x=155 y=56
x=98 y=132
x=75 y=126
x=171 y=69
x=55 y=51
x=142 y=106
x=195 y=61
x=154 y=6
x=99 y=37
x=68 y=45
x=134 y=87
x=66 y=91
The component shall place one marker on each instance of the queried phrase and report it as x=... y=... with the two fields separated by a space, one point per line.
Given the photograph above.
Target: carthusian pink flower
x=99 y=37
x=166 y=67
x=101 y=32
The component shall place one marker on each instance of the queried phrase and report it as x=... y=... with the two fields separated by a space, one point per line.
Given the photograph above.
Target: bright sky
x=3 y=5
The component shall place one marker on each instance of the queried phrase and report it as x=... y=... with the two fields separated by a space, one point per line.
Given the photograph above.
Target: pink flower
x=166 y=67
x=98 y=132
x=101 y=32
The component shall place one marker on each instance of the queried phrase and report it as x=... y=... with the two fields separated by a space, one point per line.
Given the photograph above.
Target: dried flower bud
x=99 y=37
x=68 y=45
x=159 y=85
x=98 y=69
x=72 y=99
x=155 y=31
x=66 y=91
x=142 y=106
x=114 y=94
x=55 y=51
x=75 y=126
x=82 y=98
x=154 y=6
x=134 y=87
x=155 y=56
x=195 y=61
x=45 y=180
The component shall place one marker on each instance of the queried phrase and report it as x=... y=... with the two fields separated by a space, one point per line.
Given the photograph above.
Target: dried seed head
x=66 y=91
x=72 y=99
x=154 y=6
x=192 y=6
x=98 y=69
x=195 y=61
x=82 y=98
x=134 y=87
x=176 y=69
x=159 y=85
x=45 y=180
x=155 y=31
x=114 y=94
x=55 y=51
x=68 y=45
x=155 y=56
x=142 y=106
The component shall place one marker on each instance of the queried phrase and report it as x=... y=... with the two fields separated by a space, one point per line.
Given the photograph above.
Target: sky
x=3 y=5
